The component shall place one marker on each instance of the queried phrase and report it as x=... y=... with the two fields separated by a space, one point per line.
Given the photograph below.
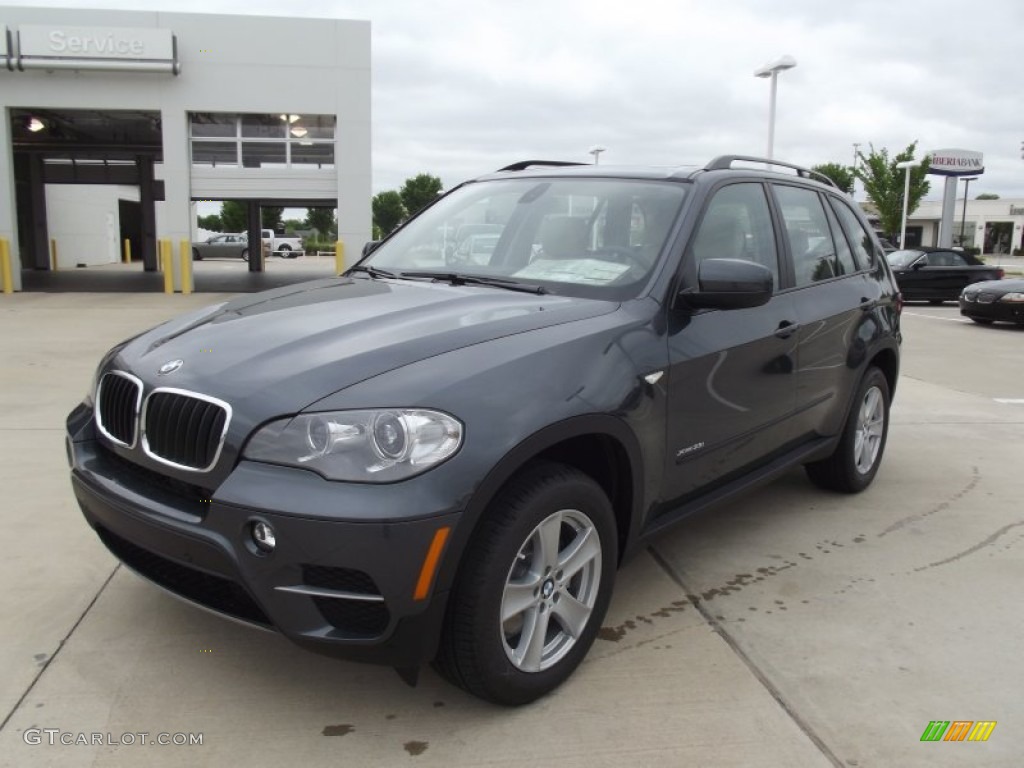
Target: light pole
x=906 y=165
x=963 y=218
x=772 y=70
x=596 y=152
x=853 y=186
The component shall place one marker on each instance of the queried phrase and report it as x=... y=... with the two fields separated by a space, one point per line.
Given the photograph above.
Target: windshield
x=577 y=237
x=901 y=259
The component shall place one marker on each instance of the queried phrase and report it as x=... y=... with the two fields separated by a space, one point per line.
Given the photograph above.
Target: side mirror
x=368 y=248
x=919 y=263
x=730 y=284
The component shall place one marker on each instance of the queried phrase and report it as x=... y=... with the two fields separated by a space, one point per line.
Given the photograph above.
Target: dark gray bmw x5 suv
x=443 y=455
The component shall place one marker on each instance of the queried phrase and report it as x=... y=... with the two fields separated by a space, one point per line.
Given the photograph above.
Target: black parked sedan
x=994 y=300
x=937 y=274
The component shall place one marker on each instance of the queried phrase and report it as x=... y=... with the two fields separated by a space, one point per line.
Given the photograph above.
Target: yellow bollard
x=185 y=254
x=127 y=251
x=53 y=253
x=339 y=257
x=166 y=257
x=5 y=266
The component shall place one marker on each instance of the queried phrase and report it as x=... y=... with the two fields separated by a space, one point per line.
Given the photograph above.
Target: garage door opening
x=85 y=183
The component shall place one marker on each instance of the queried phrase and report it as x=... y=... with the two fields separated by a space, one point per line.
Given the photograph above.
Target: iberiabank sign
x=955 y=162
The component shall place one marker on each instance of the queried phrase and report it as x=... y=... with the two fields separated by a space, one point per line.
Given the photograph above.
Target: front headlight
x=372 y=446
x=1014 y=297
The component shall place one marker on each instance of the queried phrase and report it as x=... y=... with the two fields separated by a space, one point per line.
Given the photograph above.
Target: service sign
x=95 y=48
x=955 y=162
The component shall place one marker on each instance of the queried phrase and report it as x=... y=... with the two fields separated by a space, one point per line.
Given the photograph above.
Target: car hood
x=278 y=351
x=1008 y=285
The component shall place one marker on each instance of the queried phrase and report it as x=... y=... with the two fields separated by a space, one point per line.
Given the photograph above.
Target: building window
x=262 y=141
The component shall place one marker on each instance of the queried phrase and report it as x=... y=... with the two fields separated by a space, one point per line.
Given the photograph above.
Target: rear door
x=834 y=293
x=732 y=373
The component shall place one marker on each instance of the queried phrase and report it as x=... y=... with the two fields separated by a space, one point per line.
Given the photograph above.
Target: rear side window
x=738 y=225
x=809 y=235
x=860 y=238
x=844 y=256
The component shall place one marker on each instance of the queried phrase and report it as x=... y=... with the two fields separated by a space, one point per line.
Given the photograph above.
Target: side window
x=844 y=256
x=737 y=225
x=808 y=233
x=946 y=259
x=860 y=239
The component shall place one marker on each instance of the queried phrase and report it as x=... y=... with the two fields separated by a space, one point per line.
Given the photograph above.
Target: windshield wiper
x=457 y=278
x=374 y=271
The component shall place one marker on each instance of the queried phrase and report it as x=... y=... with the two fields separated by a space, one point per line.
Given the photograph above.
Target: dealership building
x=116 y=124
x=994 y=226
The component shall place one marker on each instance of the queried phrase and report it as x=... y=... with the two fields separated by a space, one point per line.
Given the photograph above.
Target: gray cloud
x=462 y=88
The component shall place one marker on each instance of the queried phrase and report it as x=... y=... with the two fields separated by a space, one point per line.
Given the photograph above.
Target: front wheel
x=533 y=589
x=244 y=255
x=853 y=465
x=982 y=320
x=196 y=255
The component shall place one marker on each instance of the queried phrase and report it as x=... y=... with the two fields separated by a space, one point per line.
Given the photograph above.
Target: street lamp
x=596 y=152
x=772 y=70
x=963 y=218
x=853 y=185
x=906 y=165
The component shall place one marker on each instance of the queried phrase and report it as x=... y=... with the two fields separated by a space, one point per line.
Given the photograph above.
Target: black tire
x=853 y=465
x=936 y=302
x=505 y=559
x=196 y=256
x=285 y=252
x=982 y=320
x=244 y=255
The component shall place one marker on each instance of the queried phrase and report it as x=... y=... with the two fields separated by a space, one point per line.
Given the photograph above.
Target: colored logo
x=170 y=367
x=958 y=730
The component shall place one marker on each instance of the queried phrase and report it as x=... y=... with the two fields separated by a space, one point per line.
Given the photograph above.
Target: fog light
x=263 y=537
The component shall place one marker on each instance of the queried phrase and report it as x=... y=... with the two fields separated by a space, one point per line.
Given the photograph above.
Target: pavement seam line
x=773 y=691
x=60 y=646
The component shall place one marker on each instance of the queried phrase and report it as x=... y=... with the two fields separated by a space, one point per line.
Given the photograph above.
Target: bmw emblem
x=170 y=367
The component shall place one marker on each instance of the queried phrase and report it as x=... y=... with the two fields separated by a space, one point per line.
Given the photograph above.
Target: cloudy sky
x=461 y=88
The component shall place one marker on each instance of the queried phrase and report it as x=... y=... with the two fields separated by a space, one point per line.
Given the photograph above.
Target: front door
x=732 y=372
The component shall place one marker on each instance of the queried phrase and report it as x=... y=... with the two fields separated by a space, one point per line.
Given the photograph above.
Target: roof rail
x=724 y=163
x=524 y=164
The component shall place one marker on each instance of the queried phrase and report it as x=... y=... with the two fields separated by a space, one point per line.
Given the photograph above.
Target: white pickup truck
x=283 y=246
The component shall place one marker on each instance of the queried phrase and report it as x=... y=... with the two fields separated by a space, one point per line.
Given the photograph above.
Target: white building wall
x=228 y=64
x=980 y=212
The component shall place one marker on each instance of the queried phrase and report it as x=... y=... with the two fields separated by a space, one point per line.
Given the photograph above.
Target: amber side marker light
x=430 y=563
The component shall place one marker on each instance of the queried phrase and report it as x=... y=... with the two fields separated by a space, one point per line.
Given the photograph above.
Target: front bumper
x=1011 y=312
x=336 y=586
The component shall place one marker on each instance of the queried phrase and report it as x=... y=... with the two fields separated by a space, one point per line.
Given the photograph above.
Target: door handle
x=786 y=329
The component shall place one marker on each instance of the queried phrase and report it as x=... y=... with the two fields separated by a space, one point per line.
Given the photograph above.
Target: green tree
x=322 y=220
x=884 y=183
x=987 y=196
x=419 y=191
x=291 y=226
x=842 y=175
x=211 y=223
x=388 y=211
x=271 y=217
x=234 y=216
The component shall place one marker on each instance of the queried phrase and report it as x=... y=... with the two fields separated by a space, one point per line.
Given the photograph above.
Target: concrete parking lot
x=791 y=628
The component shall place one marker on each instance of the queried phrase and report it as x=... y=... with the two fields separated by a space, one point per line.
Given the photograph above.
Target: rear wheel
x=244 y=255
x=285 y=252
x=853 y=465
x=533 y=589
x=196 y=256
